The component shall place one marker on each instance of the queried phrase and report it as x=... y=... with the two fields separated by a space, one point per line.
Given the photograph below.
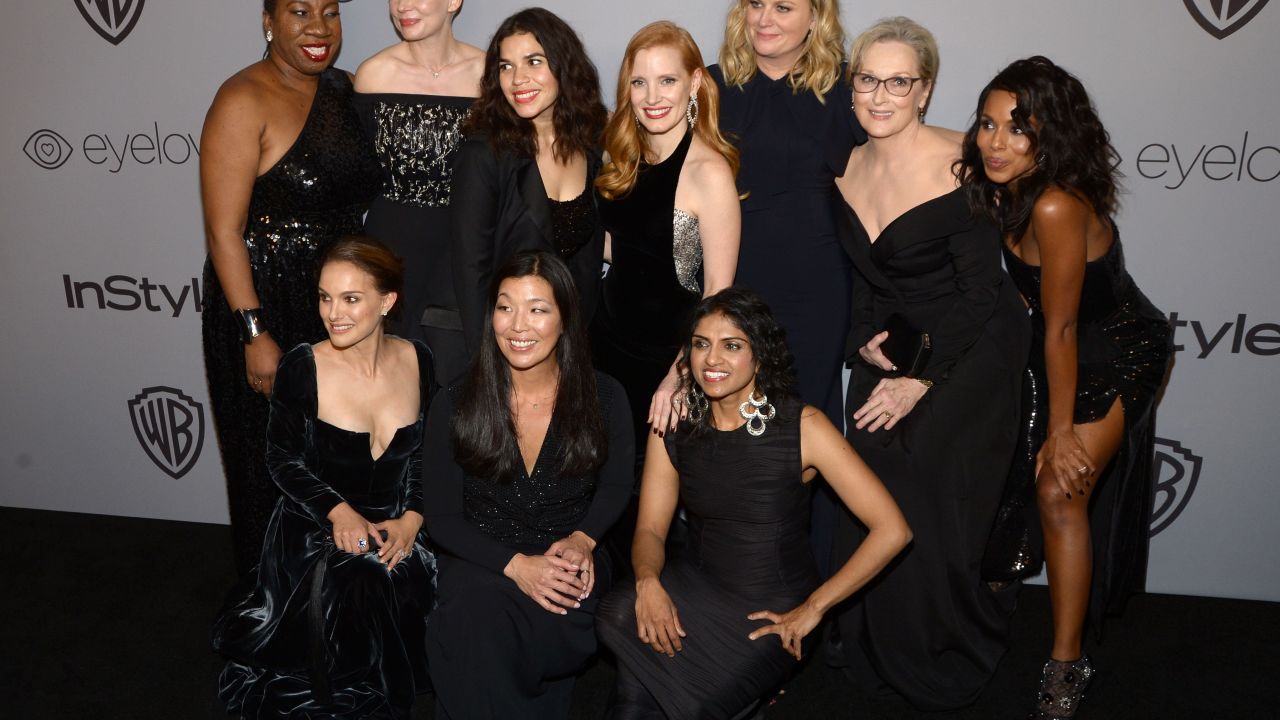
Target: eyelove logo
x=1177 y=471
x=170 y=427
x=112 y=19
x=1220 y=18
x=1173 y=164
x=50 y=150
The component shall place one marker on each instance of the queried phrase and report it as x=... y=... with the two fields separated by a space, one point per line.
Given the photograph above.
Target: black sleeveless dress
x=315 y=194
x=415 y=138
x=314 y=617
x=1124 y=344
x=748 y=550
x=654 y=282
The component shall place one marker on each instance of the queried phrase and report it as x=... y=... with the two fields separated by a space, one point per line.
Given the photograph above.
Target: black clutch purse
x=907 y=346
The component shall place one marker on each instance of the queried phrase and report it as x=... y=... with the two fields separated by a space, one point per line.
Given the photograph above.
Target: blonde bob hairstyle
x=818 y=68
x=625 y=142
x=906 y=31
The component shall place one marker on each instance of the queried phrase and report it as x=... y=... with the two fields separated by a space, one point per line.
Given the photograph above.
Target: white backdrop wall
x=106 y=409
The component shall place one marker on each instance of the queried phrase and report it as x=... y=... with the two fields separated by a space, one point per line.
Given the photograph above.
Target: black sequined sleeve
x=443 y=497
x=616 y=477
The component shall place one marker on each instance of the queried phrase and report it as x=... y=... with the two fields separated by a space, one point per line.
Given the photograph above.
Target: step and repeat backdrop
x=106 y=408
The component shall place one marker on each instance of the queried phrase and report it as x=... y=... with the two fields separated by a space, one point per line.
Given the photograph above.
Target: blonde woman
x=668 y=203
x=785 y=104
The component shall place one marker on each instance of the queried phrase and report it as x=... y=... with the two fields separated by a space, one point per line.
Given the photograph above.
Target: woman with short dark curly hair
x=741 y=464
x=523 y=179
x=1038 y=161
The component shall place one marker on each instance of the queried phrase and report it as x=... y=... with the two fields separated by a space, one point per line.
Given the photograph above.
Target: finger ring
x=1083 y=469
x=362 y=543
x=403 y=554
x=257 y=382
x=887 y=415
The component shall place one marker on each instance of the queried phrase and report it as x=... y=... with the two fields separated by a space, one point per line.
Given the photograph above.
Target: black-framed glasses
x=897 y=86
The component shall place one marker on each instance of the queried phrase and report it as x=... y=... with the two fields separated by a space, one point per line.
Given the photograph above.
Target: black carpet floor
x=108 y=617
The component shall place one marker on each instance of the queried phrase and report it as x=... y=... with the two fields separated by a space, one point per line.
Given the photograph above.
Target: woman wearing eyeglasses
x=936 y=420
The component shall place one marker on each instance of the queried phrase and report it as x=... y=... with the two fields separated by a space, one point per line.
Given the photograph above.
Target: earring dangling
x=920 y=114
x=270 y=37
x=697 y=403
x=757 y=411
x=1041 y=158
x=691 y=112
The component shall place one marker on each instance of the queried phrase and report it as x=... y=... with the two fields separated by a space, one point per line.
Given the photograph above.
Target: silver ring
x=404 y=554
x=362 y=543
x=1083 y=469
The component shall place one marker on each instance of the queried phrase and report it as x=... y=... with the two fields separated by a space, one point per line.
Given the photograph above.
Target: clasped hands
x=350 y=529
x=560 y=578
x=892 y=398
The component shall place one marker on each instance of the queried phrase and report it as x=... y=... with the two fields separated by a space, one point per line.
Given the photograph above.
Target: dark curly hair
x=775 y=371
x=1072 y=148
x=578 y=115
x=483 y=430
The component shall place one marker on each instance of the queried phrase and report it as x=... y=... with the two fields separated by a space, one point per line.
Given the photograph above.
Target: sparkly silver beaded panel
x=686 y=248
x=415 y=144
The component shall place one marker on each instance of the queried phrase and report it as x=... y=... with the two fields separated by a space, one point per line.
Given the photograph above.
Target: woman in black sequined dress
x=413 y=98
x=522 y=179
x=668 y=202
x=283 y=173
x=1039 y=162
x=530 y=463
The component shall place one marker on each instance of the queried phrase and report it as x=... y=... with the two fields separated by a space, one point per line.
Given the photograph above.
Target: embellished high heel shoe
x=1062 y=685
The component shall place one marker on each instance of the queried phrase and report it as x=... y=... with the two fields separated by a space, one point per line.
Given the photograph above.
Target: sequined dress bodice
x=415 y=138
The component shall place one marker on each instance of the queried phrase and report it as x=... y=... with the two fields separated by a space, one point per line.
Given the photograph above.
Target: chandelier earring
x=691 y=112
x=757 y=413
x=697 y=403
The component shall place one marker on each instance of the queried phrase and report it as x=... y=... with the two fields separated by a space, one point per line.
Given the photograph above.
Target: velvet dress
x=495 y=654
x=928 y=626
x=317 y=631
x=416 y=138
x=792 y=147
x=1123 y=347
x=315 y=194
x=748 y=550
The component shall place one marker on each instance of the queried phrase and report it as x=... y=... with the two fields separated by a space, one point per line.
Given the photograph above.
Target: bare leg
x=1067 y=547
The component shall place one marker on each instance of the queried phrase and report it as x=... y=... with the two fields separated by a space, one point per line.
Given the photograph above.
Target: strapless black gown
x=314 y=616
x=415 y=138
x=315 y=194
x=748 y=511
x=1124 y=344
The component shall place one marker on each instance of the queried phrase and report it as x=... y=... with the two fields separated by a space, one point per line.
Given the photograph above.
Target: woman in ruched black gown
x=413 y=98
x=668 y=203
x=283 y=173
x=1040 y=162
x=332 y=623
x=941 y=436
x=529 y=463
x=741 y=466
x=785 y=105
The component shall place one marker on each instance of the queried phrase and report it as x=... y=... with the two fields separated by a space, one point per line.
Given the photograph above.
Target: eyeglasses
x=898 y=86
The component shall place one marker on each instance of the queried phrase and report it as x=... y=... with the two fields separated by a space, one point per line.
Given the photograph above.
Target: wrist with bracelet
x=251 y=324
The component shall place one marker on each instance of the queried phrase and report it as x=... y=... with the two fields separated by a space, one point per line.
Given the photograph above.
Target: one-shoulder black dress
x=1123 y=345
x=748 y=550
x=495 y=654
x=929 y=627
x=316 y=193
x=313 y=616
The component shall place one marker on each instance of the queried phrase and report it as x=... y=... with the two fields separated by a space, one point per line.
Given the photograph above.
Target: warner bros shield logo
x=112 y=19
x=1220 y=18
x=170 y=427
x=1177 y=471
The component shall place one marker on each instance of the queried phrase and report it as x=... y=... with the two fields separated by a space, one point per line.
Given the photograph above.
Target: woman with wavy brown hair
x=523 y=178
x=668 y=203
x=785 y=105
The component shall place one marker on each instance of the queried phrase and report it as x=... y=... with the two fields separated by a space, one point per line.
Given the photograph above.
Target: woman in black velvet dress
x=668 y=203
x=523 y=178
x=941 y=436
x=283 y=174
x=1040 y=163
x=741 y=466
x=413 y=98
x=529 y=463
x=331 y=625
x=785 y=104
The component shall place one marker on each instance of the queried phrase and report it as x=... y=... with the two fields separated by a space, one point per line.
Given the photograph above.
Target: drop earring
x=270 y=37
x=691 y=112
